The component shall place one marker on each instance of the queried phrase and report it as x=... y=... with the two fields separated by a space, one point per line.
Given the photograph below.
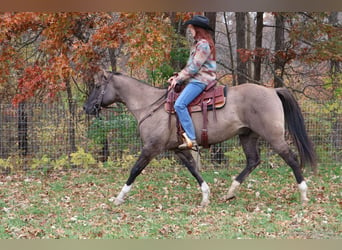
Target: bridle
x=99 y=99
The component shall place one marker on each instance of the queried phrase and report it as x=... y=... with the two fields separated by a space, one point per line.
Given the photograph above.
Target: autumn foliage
x=41 y=52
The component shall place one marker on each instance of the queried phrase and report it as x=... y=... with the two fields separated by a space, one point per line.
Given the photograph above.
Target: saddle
x=212 y=98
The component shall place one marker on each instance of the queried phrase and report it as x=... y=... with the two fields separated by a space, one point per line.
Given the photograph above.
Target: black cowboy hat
x=200 y=21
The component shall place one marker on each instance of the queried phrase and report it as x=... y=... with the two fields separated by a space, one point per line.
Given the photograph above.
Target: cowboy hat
x=200 y=21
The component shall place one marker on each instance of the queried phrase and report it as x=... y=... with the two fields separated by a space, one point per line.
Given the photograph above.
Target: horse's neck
x=138 y=96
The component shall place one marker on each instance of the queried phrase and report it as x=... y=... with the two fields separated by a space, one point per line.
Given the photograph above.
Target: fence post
x=22 y=129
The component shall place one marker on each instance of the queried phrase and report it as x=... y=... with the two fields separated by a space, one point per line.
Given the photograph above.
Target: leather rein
x=163 y=99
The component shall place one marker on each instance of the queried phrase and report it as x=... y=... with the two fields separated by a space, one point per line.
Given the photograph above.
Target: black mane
x=120 y=74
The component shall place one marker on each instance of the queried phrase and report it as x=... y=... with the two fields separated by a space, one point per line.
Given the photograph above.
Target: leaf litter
x=68 y=205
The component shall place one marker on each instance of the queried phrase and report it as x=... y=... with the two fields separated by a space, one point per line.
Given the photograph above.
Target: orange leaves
x=149 y=38
x=42 y=51
x=244 y=54
x=110 y=36
x=40 y=81
x=28 y=83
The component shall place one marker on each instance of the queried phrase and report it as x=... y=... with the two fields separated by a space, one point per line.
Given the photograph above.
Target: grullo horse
x=251 y=111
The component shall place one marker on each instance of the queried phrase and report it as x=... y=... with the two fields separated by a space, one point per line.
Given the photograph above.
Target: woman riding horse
x=199 y=72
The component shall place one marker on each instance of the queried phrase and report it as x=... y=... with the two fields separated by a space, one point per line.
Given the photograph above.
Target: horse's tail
x=295 y=124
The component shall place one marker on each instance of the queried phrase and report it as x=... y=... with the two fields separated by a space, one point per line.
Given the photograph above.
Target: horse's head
x=101 y=95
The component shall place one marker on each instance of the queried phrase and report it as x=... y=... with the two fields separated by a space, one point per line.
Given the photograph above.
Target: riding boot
x=188 y=143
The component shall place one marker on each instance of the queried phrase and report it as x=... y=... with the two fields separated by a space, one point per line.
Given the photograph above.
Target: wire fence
x=60 y=135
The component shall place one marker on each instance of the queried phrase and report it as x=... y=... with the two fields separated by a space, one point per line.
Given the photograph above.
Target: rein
x=163 y=98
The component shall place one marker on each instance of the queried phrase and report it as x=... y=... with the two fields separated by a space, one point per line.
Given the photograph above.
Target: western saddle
x=212 y=98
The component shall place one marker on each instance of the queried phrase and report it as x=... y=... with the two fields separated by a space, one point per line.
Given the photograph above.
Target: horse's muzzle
x=94 y=110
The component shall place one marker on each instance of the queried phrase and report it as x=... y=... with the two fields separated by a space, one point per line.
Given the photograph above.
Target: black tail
x=295 y=124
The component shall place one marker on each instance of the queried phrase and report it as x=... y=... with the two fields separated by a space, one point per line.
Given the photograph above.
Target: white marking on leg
x=205 y=193
x=231 y=191
x=121 y=197
x=303 y=190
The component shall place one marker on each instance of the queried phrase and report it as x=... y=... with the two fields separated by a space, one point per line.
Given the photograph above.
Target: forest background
x=46 y=54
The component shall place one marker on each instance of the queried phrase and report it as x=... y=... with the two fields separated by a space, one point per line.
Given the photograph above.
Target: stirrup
x=188 y=144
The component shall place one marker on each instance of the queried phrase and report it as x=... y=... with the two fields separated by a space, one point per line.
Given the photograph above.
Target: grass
x=163 y=204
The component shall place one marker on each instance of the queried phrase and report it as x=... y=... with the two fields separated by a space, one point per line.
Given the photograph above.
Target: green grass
x=164 y=204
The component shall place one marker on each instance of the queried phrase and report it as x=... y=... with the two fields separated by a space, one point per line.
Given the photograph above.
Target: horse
x=251 y=111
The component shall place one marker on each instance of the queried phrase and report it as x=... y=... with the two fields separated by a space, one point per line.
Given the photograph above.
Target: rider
x=198 y=73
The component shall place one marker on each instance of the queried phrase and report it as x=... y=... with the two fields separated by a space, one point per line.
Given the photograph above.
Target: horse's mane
x=120 y=74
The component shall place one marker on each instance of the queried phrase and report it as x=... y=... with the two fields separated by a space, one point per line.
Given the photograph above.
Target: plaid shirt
x=201 y=65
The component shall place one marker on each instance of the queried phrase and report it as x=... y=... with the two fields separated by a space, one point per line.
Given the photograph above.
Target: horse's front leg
x=144 y=159
x=186 y=157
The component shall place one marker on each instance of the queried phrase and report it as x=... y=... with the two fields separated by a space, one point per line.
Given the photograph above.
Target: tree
x=44 y=54
x=336 y=79
x=212 y=21
x=279 y=64
x=316 y=42
x=241 y=67
x=230 y=47
x=258 y=45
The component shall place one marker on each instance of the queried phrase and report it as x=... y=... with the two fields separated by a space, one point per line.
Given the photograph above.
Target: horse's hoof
x=305 y=202
x=116 y=201
x=228 y=197
x=205 y=203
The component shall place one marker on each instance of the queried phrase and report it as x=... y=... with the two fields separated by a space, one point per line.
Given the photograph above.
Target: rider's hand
x=172 y=80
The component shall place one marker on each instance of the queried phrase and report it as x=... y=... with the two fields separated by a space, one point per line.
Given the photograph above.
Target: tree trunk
x=248 y=43
x=334 y=64
x=22 y=129
x=280 y=62
x=241 y=44
x=113 y=58
x=335 y=73
x=258 y=45
x=212 y=21
x=177 y=24
x=230 y=49
x=72 y=115
x=178 y=46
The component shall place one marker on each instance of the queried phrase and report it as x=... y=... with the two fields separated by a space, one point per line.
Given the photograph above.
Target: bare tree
x=249 y=24
x=212 y=20
x=280 y=62
x=22 y=129
x=335 y=73
x=241 y=44
x=258 y=44
x=230 y=46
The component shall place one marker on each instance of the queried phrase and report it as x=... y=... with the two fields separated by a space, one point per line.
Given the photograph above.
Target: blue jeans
x=189 y=93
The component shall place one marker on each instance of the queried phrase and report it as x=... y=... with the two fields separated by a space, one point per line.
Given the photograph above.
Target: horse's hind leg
x=249 y=144
x=291 y=159
x=186 y=157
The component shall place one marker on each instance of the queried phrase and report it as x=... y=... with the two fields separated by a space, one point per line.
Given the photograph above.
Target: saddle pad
x=217 y=94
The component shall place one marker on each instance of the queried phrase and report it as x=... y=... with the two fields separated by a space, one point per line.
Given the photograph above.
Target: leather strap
x=204 y=135
x=210 y=85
